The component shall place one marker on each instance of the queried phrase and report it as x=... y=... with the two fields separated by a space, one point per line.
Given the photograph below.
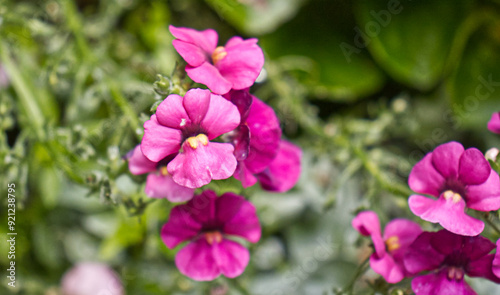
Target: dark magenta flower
x=496 y=261
x=448 y=257
x=284 y=171
x=459 y=179
x=387 y=260
x=208 y=222
x=233 y=66
x=494 y=123
x=185 y=126
x=159 y=183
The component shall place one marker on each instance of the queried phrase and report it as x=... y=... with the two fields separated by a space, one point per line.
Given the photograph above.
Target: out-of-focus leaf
x=333 y=71
x=475 y=86
x=256 y=17
x=411 y=40
x=46 y=246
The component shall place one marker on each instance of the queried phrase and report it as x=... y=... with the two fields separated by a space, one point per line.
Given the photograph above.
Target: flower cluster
x=213 y=134
x=450 y=182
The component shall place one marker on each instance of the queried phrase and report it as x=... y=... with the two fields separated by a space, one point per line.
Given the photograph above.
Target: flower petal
x=483 y=268
x=485 y=196
x=171 y=113
x=206 y=40
x=181 y=226
x=210 y=76
x=496 y=260
x=159 y=141
x=191 y=53
x=449 y=213
x=494 y=123
x=438 y=283
x=421 y=256
x=197 y=261
x=238 y=217
x=138 y=163
x=196 y=167
x=265 y=135
x=230 y=257
x=405 y=230
x=387 y=268
x=446 y=158
x=368 y=224
x=196 y=103
x=284 y=171
x=242 y=64
x=222 y=116
x=160 y=186
x=474 y=168
x=244 y=175
x=424 y=178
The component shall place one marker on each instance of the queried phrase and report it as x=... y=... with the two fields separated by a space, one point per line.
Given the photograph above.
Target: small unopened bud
x=492 y=154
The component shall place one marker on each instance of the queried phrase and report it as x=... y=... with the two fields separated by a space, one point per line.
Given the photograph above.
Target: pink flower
x=448 y=257
x=208 y=222
x=159 y=183
x=459 y=179
x=257 y=139
x=284 y=171
x=233 y=66
x=185 y=126
x=494 y=123
x=387 y=260
x=91 y=278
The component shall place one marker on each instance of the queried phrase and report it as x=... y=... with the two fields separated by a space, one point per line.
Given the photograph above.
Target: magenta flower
x=494 y=123
x=387 y=260
x=459 y=179
x=159 y=183
x=496 y=261
x=185 y=126
x=91 y=278
x=208 y=222
x=284 y=171
x=257 y=139
x=449 y=257
x=233 y=66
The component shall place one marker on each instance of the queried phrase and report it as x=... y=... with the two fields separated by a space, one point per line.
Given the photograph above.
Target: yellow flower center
x=164 y=171
x=194 y=141
x=213 y=236
x=218 y=54
x=449 y=194
x=392 y=243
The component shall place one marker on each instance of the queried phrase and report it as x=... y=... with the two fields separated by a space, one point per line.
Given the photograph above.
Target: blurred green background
x=365 y=87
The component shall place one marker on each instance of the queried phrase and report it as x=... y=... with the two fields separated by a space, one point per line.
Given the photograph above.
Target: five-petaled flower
x=459 y=179
x=233 y=66
x=448 y=257
x=185 y=126
x=387 y=260
x=208 y=222
x=159 y=183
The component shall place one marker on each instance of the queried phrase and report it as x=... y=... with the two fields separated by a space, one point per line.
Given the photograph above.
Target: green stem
x=239 y=286
x=362 y=268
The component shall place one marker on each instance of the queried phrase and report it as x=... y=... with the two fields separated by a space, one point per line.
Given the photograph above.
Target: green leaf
x=256 y=17
x=411 y=40
x=319 y=47
x=475 y=85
